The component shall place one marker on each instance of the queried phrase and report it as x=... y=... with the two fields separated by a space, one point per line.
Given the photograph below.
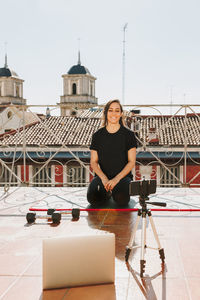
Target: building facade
x=78 y=88
x=11 y=87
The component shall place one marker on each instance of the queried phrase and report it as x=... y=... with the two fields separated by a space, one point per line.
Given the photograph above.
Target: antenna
x=171 y=99
x=79 y=56
x=6 y=63
x=123 y=65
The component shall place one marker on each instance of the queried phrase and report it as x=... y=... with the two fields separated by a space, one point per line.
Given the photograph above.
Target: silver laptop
x=78 y=260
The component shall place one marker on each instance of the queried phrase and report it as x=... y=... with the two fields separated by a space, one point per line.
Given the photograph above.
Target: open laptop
x=78 y=260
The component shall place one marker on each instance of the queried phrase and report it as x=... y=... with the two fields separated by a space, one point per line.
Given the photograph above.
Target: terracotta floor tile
x=120 y=248
x=151 y=288
x=5 y=282
x=125 y=218
x=14 y=265
x=121 y=269
x=18 y=247
x=97 y=292
x=35 y=269
x=120 y=231
x=21 y=249
x=194 y=287
x=96 y=218
x=57 y=294
x=128 y=289
x=25 y=288
x=119 y=218
x=172 y=289
x=190 y=266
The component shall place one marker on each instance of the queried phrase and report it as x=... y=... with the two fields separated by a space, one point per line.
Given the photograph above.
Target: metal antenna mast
x=6 y=61
x=123 y=65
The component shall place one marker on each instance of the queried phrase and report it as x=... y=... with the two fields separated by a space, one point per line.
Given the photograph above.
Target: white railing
x=168 y=150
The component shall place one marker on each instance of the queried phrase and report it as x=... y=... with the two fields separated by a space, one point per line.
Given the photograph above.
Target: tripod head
x=143 y=189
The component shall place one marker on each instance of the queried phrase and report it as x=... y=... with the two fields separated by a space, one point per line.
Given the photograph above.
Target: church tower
x=78 y=87
x=11 y=87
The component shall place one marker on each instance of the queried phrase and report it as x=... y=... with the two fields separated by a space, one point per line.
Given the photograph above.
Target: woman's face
x=114 y=113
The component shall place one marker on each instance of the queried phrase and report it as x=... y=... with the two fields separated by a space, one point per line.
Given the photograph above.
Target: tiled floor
x=179 y=234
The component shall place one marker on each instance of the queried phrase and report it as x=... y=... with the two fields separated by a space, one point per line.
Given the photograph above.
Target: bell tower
x=11 y=86
x=78 y=87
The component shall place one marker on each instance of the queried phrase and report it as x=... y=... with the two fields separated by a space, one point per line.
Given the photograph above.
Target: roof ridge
x=12 y=132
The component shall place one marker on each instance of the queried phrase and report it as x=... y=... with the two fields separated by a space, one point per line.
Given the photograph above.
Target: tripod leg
x=143 y=246
x=161 y=250
x=145 y=232
x=132 y=239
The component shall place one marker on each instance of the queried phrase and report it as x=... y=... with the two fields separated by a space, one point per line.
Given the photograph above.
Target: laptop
x=78 y=260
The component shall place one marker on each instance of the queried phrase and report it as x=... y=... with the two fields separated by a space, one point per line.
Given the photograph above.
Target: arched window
x=17 y=91
x=74 y=88
x=9 y=114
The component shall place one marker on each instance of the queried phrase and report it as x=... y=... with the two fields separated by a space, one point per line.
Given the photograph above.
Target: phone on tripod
x=142 y=187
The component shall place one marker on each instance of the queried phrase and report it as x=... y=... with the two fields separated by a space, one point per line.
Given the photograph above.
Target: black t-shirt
x=112 y=149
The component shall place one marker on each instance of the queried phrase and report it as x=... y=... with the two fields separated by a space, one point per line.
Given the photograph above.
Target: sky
x=162 y=62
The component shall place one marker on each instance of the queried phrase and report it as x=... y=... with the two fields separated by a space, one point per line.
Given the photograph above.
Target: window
x=9 y=114
x=7 y=176
x=74 y=88
x=76 y=176
x=17 y=91
x=91 y=90
x=43 y=176
x=0 y=91
x=167 y=179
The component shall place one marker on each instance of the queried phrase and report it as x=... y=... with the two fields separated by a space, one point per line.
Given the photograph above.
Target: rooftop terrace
x=21 y=245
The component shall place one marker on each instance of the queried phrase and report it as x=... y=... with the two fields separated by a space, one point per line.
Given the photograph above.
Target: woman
x=113 y=155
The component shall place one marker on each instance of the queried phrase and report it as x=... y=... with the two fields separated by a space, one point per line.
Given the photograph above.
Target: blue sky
x=162 y=47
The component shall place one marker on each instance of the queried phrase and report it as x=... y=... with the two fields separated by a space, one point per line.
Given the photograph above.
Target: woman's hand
x=111 y=184
x=105 y=181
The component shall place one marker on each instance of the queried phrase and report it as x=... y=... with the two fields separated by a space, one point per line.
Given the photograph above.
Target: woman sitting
x=113 y=155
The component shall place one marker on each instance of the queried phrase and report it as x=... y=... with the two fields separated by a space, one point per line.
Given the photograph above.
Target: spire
x=79 y=56
x=6 y=63
x=79 y=59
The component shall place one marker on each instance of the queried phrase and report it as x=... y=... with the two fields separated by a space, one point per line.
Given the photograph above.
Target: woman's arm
x=126 y=170
x=95 y=166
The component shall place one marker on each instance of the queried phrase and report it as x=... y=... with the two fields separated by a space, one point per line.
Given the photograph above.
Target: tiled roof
x=89 y=113
x=172 y=131
x=77 y=131
x=55 y=131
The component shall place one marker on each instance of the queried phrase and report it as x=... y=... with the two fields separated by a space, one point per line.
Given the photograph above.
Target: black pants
x=97 y=195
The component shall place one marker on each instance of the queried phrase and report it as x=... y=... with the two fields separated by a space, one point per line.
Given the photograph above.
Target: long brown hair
x=104 y=121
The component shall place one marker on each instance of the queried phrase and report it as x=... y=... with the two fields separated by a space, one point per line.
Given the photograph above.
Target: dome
x=5 y=72
x=78 y=69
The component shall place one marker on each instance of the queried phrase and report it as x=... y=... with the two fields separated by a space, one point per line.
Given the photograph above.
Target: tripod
x=144 y=212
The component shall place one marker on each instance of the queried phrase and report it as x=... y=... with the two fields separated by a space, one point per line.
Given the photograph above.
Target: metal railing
x=168 y=145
